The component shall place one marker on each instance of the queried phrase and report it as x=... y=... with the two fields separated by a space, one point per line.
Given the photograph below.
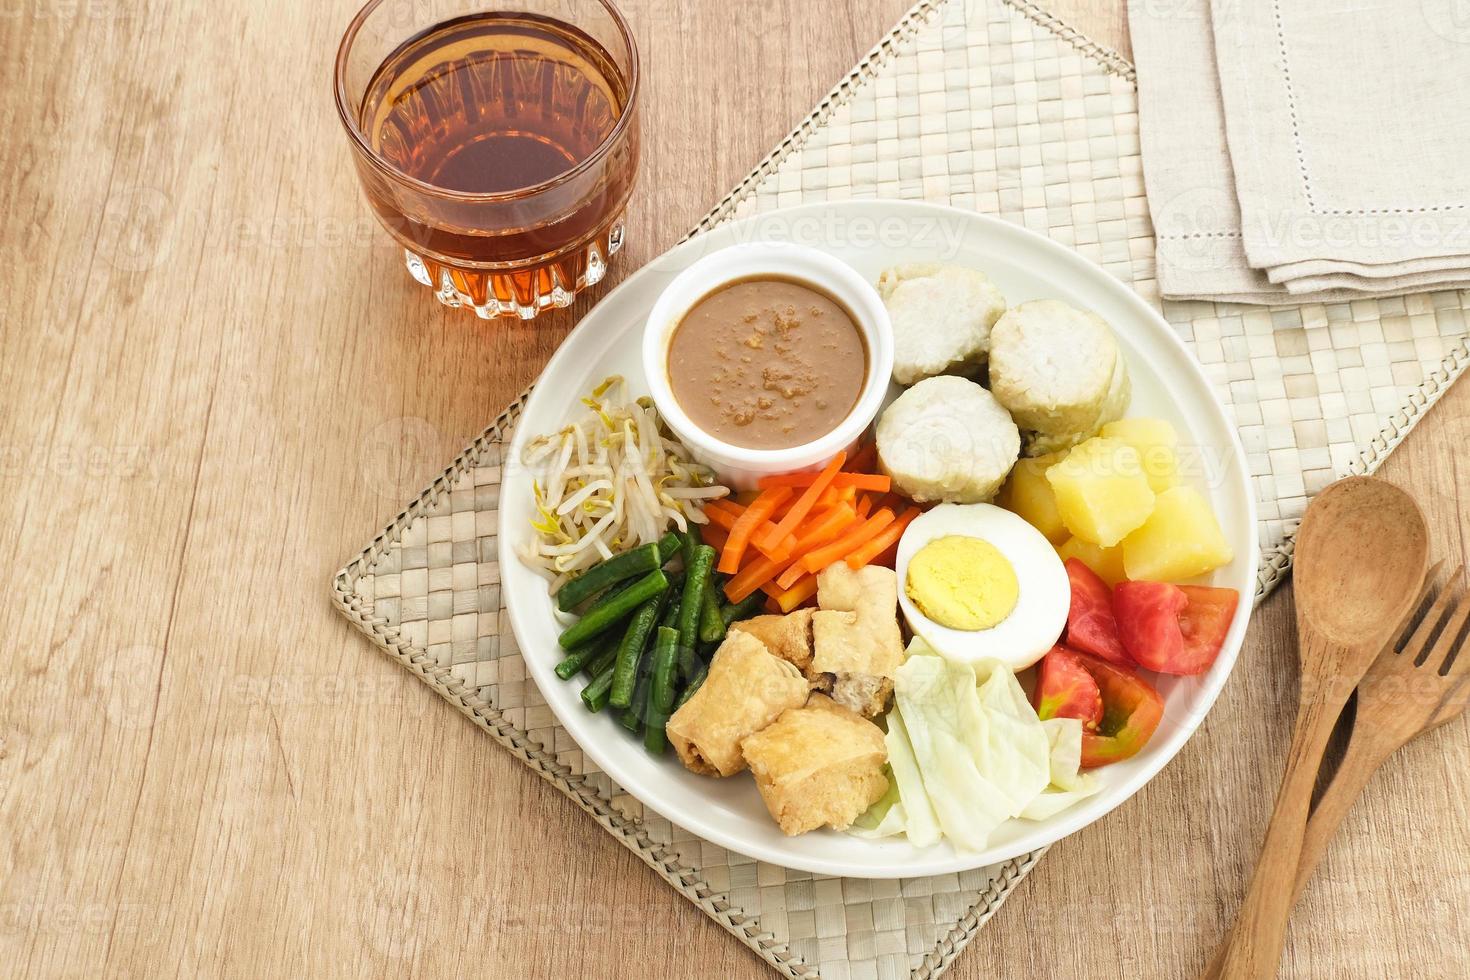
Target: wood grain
x=1361 y=554
x=204 y=333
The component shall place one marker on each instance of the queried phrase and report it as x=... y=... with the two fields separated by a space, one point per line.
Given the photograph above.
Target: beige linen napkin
x=1186 y=165
x=1349 y=130
x=1323 y=158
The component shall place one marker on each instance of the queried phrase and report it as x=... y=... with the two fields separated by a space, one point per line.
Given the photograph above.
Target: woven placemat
x=987 y=104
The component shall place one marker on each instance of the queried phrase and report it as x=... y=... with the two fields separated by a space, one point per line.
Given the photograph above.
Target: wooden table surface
x=217 y=382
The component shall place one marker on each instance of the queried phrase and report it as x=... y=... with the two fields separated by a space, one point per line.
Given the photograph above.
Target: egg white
x=1023 y=637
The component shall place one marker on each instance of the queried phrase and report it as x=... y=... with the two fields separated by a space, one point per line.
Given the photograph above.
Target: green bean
x=580 y=657
x=607 y=658
x=630 y=649
x=733 y=612
x=711 y=626
x=639 y=561
x=696 y=579
x=608 y=613
x=670 y=620
x=583 y=654
x=692 y=687
x=670 y=617
x=595 y=694
x=669 y=545
x=636 y=712
x=661 y=689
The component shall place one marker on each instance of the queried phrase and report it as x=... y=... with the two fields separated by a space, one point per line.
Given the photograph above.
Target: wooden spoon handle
x=1363 y=756
x=1252 y=951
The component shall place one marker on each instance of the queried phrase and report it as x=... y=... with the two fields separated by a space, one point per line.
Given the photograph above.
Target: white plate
x=873 y=235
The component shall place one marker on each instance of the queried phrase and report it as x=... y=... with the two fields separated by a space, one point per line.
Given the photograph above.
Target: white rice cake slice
x=942 y=316
x=947 y=439
x=1059 y=372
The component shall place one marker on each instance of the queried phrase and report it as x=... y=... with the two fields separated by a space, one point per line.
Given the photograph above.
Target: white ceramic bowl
x=871 y=236
x=739 y=466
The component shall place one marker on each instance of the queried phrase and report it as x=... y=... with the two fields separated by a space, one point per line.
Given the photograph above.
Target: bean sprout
x=610 y=481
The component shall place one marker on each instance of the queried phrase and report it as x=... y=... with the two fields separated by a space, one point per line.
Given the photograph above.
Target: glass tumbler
x=496 y=142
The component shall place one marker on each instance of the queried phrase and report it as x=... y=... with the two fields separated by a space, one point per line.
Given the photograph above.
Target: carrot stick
x=865 y=506
x=875 y=482
x=791 y=573
x=872 y=482
x=769 y=540
x=788 y=599
x=759 y=510
x=824 y=527
x=797 y=480
x=715 y=536
x=783 y=507
x=888 y=558
x=782 y=548
x=721 y=517
x=815 y=561
x=885 y=540
x=865 y=460
x=752 y=577
x=790 y=576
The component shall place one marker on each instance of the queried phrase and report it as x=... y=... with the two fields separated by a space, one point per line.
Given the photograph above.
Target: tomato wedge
x=1173 y=629
x=1205 y=622
x=1132 y=710
x=1064 y=689
x=1147 y=614
x=1091 y=627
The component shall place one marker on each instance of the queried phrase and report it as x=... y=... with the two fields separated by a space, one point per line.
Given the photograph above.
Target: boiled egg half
x=977 y=582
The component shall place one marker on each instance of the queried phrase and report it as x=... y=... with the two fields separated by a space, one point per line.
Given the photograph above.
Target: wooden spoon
x=1361 y=554
x=1408 y=691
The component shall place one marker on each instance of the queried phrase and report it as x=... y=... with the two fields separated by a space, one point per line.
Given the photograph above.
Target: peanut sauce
x=767 y=363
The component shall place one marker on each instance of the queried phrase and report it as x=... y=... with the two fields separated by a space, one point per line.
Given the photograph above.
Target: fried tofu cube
x=817 y=765
x=788 y=637
x=856 y=643
x=746 y=689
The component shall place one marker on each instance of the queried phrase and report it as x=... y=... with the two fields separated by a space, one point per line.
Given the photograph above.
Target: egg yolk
x=962 y=582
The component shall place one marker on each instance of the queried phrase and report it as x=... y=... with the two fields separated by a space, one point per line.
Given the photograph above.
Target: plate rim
x=948 y=860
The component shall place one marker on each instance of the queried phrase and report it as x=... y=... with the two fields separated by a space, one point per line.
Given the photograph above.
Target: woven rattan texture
x=985 y=104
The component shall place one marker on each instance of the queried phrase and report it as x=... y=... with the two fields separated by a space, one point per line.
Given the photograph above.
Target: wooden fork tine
x=1448 y=643
x=1418 y=641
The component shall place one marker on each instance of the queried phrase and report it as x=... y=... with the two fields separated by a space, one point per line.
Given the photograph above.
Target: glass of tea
x=497 y=142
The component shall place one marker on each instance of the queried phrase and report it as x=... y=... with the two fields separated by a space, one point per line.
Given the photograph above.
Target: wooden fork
x=1413 y=686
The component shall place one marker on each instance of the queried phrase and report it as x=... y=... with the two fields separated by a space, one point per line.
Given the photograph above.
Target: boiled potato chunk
x=1101 y=491
x=1028 y=496
x=1180 y=539
x=1106 y=562
x=1156 y=442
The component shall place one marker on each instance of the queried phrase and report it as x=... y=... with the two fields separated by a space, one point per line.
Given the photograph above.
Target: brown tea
x=510 y=105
